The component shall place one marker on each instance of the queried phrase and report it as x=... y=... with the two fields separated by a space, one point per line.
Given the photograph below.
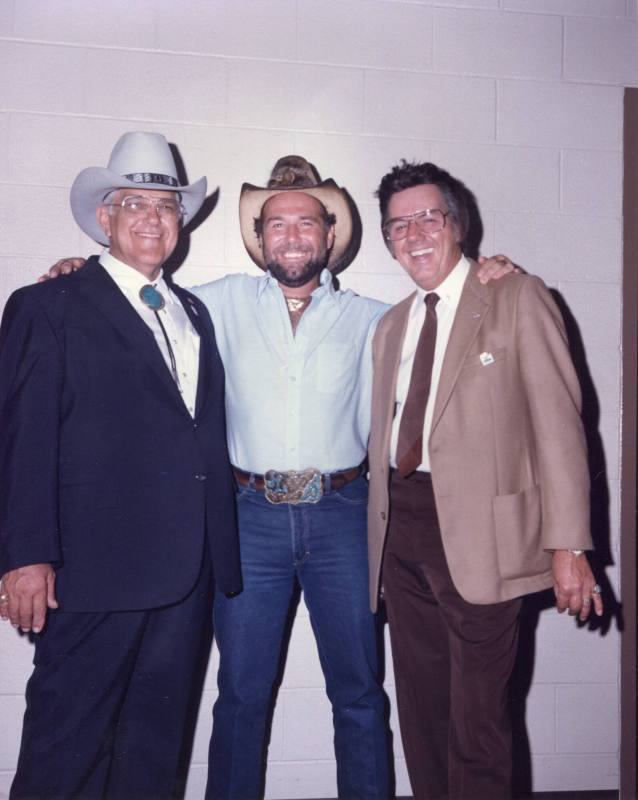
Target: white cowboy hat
x=139 y=160
x=295 y=174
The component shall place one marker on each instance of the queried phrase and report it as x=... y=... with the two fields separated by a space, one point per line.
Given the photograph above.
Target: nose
x=291 y=233
x=153 y=214
x=413 y=228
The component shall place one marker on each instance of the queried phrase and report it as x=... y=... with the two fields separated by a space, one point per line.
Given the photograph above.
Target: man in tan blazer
x=479 y=487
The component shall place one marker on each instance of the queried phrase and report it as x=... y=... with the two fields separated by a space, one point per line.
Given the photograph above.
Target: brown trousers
x=452 y=659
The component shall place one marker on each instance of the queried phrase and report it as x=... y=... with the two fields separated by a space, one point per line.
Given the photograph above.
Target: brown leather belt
x=272 y=482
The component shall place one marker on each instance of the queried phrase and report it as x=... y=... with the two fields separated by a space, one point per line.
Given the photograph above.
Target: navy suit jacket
x=103 y=471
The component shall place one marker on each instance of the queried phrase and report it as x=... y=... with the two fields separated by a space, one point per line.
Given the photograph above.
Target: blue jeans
x=323 y=546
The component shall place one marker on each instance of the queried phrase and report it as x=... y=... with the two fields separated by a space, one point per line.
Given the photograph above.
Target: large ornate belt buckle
x=293 y=487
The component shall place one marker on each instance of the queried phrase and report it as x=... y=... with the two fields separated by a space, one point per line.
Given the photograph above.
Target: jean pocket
x=244 y=493
x=353 y=493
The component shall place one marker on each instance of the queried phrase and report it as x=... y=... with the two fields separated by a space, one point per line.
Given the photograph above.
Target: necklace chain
x=296 y=307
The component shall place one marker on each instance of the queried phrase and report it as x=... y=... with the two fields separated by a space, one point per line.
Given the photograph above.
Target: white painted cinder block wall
x=522 y=99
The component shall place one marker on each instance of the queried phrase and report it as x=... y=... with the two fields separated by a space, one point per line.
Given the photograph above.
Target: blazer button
x=200 y=477
x=383 y=515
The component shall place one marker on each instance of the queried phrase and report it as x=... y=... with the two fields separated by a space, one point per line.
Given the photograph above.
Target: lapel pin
x=486 y=358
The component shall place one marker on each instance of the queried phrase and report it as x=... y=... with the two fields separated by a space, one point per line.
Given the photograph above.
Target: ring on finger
x=4 y=598
x=597 y=589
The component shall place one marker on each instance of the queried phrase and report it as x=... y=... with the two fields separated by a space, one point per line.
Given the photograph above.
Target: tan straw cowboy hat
x=295 y=174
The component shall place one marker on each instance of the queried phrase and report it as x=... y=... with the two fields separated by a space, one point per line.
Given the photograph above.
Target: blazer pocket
x=517 y=525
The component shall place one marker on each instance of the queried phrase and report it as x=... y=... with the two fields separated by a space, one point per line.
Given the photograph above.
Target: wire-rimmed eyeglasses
x=137 y=205
x=432 y=220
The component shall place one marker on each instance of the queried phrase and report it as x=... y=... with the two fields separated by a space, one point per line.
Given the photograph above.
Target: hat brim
x=94 y=183
x=252 y=199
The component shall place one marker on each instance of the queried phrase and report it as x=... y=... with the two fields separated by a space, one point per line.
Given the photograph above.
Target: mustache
x=300 y=248
x=312 y=268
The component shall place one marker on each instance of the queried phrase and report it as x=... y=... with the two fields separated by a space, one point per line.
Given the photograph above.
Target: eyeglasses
x=136 y=205
x=432 y=220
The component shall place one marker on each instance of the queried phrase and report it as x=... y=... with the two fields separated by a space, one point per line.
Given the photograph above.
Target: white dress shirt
x=294 y=402
x=183 y=337
x=449 y=292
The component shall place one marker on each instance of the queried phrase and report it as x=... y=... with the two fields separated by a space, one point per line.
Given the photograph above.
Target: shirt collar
x=325 y=288
x=128 y=278
x=449 y=290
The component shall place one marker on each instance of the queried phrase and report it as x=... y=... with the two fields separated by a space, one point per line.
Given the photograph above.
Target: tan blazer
x=507 y=446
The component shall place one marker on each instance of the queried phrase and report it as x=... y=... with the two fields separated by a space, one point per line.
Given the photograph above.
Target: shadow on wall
x=534 y=604
x=180 y=254
x=601 y=558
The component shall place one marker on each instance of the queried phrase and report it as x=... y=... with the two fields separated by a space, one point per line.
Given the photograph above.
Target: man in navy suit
x=117 y=503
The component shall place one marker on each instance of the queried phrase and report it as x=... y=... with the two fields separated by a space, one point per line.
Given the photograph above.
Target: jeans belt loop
x=327 y=482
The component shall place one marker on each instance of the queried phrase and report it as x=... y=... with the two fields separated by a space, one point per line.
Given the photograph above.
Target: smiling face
x=143 y=241
x=295 y=238
x=428 y=258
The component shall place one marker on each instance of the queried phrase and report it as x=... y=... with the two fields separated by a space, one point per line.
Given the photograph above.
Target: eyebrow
x=415 y=214
x=282 y=217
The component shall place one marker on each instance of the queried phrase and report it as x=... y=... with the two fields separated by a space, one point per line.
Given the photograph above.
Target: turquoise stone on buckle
x=293 y=487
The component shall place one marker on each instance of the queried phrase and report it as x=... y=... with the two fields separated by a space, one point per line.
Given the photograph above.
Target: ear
x=103 y=219
x=330 y=238
x=456 y=228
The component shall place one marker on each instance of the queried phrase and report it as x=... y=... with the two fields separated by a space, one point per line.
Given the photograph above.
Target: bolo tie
x=154 y=299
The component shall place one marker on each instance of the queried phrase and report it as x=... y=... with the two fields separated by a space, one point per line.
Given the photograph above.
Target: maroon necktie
x=410 y=444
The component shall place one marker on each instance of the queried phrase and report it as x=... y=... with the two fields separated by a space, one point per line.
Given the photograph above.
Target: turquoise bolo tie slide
x=155 y=301
x=151 y=298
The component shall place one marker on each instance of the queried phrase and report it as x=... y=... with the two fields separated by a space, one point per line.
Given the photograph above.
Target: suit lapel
x=387 y=355
x=102 y=291
x=472 y=310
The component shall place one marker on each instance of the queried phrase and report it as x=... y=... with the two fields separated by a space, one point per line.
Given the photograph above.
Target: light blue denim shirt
x=294 y=402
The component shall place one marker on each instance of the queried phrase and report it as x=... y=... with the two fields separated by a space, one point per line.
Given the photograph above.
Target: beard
x=300 y=277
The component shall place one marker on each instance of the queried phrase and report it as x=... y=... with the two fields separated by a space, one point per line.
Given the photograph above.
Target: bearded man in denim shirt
x=298 y=385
